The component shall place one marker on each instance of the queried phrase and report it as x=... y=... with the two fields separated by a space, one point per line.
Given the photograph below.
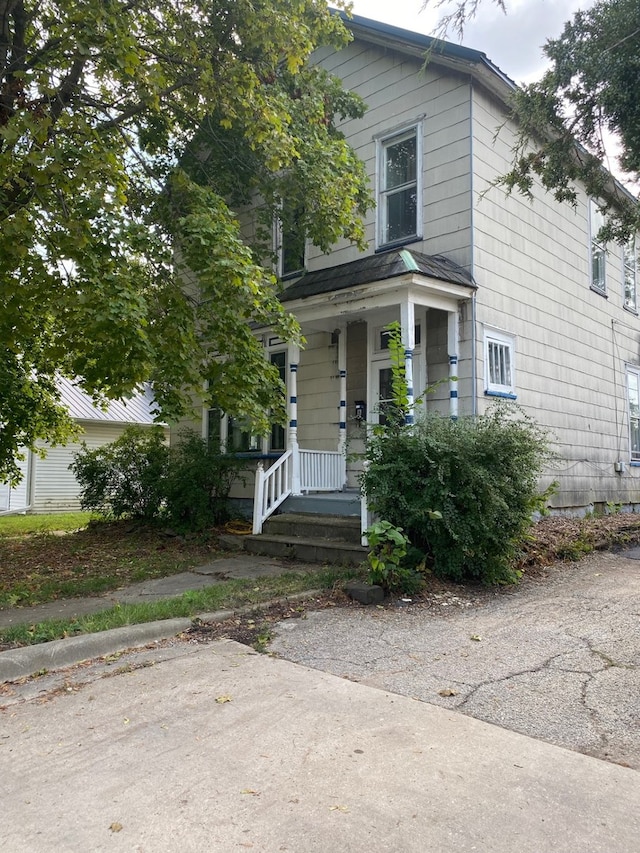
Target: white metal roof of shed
x=137 y=410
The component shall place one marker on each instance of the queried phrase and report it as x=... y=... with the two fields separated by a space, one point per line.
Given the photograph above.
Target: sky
x=513 y=41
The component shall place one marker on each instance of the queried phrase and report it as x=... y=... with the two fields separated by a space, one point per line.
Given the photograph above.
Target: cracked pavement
x=556 y=659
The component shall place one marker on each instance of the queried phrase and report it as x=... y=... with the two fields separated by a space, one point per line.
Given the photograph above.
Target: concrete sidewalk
x=201 y=577
x=222 y=749
x=22 y=662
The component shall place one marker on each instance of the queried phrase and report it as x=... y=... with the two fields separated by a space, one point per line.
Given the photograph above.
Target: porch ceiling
x=378 y=281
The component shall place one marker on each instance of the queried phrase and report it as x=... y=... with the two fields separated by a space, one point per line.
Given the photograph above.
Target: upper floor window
x=399 y=181
x=598 y=250
x=291 y=243
x=630 y=264
x=499 y=364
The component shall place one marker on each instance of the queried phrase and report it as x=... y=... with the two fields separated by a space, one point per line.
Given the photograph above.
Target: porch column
x=452 y=347
x=293 y=358
x=342 y=375
x=407 y=330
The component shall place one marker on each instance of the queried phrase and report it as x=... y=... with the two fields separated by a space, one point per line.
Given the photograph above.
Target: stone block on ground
x=365 y=593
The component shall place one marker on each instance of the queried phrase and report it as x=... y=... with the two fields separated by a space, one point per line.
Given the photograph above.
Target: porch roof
x=378 y=267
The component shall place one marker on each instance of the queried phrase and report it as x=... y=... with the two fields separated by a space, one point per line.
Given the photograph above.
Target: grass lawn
x=226 y=595
x=22 y=525
x=43 y=558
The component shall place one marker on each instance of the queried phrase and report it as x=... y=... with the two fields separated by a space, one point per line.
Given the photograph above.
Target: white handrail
x=272 y=487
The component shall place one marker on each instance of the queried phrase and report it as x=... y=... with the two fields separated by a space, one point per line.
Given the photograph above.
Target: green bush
x=139 y=476
x=479 y=473
x=198 y=483
x=125 y=477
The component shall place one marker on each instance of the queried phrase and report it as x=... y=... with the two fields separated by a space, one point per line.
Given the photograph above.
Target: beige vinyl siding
x=441 y=102
x=531 y=261
x=318 y=393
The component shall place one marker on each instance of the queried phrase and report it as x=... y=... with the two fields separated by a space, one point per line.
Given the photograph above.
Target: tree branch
x=141 y=106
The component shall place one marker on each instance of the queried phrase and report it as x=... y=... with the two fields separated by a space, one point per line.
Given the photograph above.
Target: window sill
x=635 y=463
x=397 y=244
x=504 y=395
x=633 y=311
x=597 y=290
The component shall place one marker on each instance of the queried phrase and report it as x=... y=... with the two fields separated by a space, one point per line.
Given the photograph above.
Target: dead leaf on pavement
x=222 y=699
x=115 y=827
x=447 y=692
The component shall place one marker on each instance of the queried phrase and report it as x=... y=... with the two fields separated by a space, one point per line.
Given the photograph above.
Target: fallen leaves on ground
x=35 y=566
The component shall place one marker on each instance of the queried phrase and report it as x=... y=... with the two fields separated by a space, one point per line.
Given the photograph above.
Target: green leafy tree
x=590 y=89
x=130 y=129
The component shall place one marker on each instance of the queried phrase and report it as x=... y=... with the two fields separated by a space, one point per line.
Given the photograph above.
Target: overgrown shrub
x=198 y=483
x=139 y=476
x=126 y=477
x=481 y=474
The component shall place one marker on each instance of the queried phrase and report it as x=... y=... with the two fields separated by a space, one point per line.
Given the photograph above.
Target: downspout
x=474 y=369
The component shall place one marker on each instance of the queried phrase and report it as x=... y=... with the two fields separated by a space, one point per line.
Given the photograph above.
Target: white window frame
x=383 y=193
x=633 y=375
x=630 y=274
x=596 y=221
x=504 y=343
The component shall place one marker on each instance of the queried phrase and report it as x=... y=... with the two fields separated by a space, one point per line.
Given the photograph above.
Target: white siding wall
x=532 y=264
x=55 y=489
x=16 y=498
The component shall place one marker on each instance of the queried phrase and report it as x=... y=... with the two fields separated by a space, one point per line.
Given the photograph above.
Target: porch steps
x=310 y=538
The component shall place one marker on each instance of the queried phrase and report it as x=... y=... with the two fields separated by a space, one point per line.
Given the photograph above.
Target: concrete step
x=304 y=549
x=332 y=528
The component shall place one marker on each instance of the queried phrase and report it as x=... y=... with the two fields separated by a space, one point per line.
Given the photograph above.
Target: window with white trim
x=633 y=398
x=597 y=248
x=399 y=187
x=630 y=273
x=499 y=364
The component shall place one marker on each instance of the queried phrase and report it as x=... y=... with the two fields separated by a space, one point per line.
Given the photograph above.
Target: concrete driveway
x=557 y=659
x=217 y=748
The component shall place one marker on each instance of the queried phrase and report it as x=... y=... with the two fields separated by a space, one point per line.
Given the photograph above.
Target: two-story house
x=497 y=297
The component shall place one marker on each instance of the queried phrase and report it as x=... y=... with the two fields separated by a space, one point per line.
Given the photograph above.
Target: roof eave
x=456 y=57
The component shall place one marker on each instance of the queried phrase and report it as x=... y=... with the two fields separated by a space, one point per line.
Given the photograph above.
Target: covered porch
x=337 y=386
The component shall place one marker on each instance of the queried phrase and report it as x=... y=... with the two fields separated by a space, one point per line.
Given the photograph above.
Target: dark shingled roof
x=377 y=268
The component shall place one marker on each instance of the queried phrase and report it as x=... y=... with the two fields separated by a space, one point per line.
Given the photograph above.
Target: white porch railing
x=273 y=486
x=322 y=470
